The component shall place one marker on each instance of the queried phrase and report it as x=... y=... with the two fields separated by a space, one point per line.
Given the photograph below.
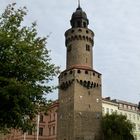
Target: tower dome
x=79 y=19
x=79 y=13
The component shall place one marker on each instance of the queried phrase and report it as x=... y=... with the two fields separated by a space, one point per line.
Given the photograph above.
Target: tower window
x=84 y=37
x=87 y=47
x=86 y=60
x=89 y=105
x=65 y=74
x=80 y=37
x=76 y=37
x=69 y=48
x=86 y=72
x=84 y=23
x=72 y=31
x=72 y=38
x=87 y=38
x=78 y=23
x=87 y=31
x=78 y=71
x=70 y=72
x=79 y=30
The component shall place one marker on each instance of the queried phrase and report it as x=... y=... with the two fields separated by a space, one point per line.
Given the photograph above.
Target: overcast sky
x=116 y=24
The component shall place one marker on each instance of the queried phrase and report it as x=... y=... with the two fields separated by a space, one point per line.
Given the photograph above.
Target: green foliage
x=117 y=127
x=25 y=70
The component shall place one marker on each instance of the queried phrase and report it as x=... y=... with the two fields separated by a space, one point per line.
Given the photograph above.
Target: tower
x=80 y=100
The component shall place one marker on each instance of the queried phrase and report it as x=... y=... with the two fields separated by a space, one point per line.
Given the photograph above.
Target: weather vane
x=78 y=3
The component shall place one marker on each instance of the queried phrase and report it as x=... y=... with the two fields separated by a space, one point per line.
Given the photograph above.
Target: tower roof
x=79 y=18
x=79 y=13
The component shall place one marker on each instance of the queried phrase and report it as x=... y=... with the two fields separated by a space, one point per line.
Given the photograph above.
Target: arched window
x=84 y=24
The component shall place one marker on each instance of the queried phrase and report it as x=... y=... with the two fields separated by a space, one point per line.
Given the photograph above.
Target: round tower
x=79 y=42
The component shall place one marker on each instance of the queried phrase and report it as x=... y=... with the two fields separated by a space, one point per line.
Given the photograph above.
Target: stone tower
x=80 y=100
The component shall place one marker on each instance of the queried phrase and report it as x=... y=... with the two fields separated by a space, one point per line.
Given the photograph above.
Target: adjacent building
x=125 y=108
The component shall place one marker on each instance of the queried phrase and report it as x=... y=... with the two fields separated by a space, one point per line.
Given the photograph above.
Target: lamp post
x=24 y=136
x=37 y=132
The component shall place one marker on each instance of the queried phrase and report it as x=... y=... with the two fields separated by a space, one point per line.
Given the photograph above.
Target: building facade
x=80 y=100
x=128 y=109
x=45 y=125
x=48 y=122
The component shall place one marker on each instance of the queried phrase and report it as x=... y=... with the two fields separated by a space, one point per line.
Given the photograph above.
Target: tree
x=25 y=70
x=117 y=127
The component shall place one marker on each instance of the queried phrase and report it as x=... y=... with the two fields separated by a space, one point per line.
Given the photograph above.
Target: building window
x=134 y=117
x=138 y=118
x=139 y=127
x=29 y=132
x=130 y=116
x=40 y=131
x=120 y=105
x=107 y=110
x=49 y=131
x=103 y=110
x=53 y=130
x=41 y=118
x=54 y=116
x=50 y=117
x=134 y=126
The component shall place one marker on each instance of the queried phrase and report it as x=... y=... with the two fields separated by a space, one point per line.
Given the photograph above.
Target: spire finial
x=78 y=3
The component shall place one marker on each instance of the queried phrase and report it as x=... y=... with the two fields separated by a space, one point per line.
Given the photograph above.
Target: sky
x=116 y=53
